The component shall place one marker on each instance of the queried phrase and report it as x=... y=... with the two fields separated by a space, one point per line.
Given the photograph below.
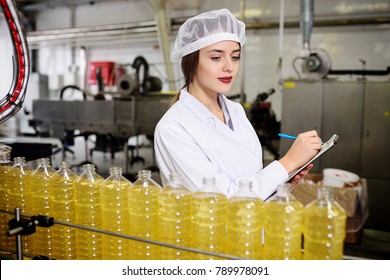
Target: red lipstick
x=226 y=80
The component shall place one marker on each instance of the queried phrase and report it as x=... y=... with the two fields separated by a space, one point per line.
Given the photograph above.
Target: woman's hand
x=297 y=178
x=304 y=148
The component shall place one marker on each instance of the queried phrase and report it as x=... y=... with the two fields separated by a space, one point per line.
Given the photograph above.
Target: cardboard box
x=353 y=199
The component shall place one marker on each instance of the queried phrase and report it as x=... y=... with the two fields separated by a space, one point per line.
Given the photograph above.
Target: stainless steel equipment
x=358 y=111
x=124 y=117
x=120 y=117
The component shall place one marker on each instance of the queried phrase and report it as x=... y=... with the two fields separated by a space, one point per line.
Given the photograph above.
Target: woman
x=205 y=134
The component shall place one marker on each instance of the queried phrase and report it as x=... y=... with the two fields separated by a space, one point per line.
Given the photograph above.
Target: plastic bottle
x=20 y=193
x=245 y=223
x=283 y=226
x=5 y=185
x=209 y=217
x=175 y=218
x=143 y=207
x=38 y=181
x=325 y=227
x=62 y=208
x=115 y=215
x=87 y=193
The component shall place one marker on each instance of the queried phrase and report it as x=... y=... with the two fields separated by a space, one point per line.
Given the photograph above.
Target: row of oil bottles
x=242 y=225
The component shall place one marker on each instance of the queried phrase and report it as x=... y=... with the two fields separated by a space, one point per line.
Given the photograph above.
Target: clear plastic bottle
x=143 y=206
x=245 y=223
x=209 y=217
x=19 y=195
x=38 y=181
x=283 y=226
x=87 y=193
x=62 y=207
x=175 y=218
x=115 y=215
x=325 y=227
x=5 y=186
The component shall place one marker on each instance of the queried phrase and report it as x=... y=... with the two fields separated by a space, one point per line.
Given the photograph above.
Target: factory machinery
x=120 y=118
x=358 y=110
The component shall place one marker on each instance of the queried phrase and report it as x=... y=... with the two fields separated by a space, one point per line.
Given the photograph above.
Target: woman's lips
x=225 y=80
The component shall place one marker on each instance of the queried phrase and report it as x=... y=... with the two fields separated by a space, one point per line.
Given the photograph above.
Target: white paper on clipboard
x=325 y=147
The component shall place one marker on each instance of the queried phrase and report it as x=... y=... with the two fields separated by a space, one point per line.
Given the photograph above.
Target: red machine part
x=13 y=101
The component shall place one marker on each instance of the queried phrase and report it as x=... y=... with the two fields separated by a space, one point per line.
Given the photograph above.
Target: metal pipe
x=242 y=91
x=19 y=254
x=306 y=22
x=360 y=72
x=162 y=31
x=149 y=28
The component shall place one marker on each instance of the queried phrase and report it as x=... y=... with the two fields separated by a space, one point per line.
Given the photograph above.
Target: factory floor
x=140 y=156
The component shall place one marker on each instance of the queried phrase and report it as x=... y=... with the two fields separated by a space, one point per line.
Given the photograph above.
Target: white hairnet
x=206 y=29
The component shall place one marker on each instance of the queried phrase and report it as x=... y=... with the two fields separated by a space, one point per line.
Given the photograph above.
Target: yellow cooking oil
x=115 y=215
x=19 y=194
x=62 y=205
x=209 y=218
x=143 y=216
x=42 y=243
x=324 y=227
x=245 y=223
x=88 y=214
x=283 y=226
x=5 y=188
x=175 y=218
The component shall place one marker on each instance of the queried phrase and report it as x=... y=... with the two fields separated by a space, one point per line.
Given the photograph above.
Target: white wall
x=345 y=45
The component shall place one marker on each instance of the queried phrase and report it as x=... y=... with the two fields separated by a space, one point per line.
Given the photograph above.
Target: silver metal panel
x=343 y=114
x=301 y=111
x=54 y=111
x=376 y=131
x=149 y=111
x=119 y=117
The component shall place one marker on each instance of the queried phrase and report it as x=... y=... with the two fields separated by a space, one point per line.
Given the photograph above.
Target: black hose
x=360 y=72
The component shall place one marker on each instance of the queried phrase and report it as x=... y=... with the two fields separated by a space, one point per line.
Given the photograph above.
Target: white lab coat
x=191 y=141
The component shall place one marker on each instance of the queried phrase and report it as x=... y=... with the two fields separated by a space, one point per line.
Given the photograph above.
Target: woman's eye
x=236 y=58
x=215 y=58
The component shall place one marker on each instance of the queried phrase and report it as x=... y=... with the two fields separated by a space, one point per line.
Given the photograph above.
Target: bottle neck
x=43 y=161
x=144 y=174
x=4 y=158
x=20 y=160
x=325 y=193
x=209 y=185
x=115 y=171
x=89 y=168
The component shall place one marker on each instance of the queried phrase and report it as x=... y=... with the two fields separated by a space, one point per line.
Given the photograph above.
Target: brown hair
x=189 y=64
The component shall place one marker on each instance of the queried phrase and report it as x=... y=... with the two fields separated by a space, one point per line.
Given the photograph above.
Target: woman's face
x=218 y=66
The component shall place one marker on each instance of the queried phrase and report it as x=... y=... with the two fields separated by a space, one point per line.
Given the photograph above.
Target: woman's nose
x=228 y=65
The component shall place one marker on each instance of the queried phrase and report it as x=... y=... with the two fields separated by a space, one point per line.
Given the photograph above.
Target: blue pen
x=287 y=136
x=290 y=136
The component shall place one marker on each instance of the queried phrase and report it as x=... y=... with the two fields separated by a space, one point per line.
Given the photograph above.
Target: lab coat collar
x=198 y=108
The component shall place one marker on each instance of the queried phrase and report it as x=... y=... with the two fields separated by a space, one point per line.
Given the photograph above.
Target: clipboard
x=325 y=147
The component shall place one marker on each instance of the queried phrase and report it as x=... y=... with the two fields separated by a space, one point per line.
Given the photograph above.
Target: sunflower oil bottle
x=143 y=208
x=62 y=208
x=175 y=218
x=87 y=194
x=18 y=196
x=209 y=218
x=38 y=181
x=324 y=228
x=115 y=215
x=245 y=223
x=5 y=186
x=283 y=226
